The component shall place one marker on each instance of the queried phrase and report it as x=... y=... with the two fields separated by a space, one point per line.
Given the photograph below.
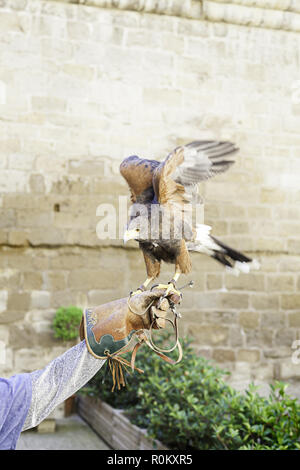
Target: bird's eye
x=137 y=229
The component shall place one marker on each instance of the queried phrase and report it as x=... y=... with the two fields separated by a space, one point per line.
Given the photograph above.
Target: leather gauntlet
x=122 y=325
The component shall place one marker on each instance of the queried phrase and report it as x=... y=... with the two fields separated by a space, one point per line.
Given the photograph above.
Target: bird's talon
x=134 y=292
x=154 y=286
x=170 y=289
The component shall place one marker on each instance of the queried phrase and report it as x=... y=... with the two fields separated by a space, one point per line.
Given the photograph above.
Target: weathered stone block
x=48 y=103
x=272 y=196
x=208 y=334
x=17 y=237
x=47 y=426
x=214 y=281
x=289 y=264
x=268 y=244
x=3 y=237
x=21 y=335
x=3 y=300
x=32 y=280
x=280 y=283
x=191 y=316
x=18 y=301
x=33 y=218
x=223 y=355
x=222 y=300
x=50 y=236
x=55 y=280
x=27 y=360
x=285 y=337
x=294 y=319
x=290 y=301
x=12 y=316
x=249 y=319
x=98 y=296
x=86 y=167
x=40 y=299
x=4 y=334
x=7 y=218
x=165 y=97
x=78 y=71
x=237 y=336
x=37 y=184
x=7 y=366
x=259 y=212
x=95 y=279
x=273 y=319
x=222 y=318
x=293 y=245
x=259 y=337
x=265 y=301
x=250 y=282
x=21 y=161
x=288 y=370
x=248 y=355
x=63 y=298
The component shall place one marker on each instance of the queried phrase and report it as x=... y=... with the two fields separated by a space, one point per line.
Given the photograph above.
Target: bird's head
x=137 y=229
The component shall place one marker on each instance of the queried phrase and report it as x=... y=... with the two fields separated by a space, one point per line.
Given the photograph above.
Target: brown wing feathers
x=204 y=159
x=188 y=165
x=185 y=166
x=166 y=189
x=138 y=173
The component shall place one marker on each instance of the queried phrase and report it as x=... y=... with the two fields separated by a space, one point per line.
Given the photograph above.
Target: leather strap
x=158 y=351
x=116 y=364
x=142 y=338
x=175 y=328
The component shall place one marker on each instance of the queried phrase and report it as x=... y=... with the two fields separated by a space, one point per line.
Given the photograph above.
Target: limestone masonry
x=84 y=84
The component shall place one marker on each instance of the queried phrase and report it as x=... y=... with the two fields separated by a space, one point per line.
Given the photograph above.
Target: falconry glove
x=120 y=326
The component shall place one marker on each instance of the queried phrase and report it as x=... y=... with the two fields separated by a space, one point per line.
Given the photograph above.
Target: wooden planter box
x=113 y=426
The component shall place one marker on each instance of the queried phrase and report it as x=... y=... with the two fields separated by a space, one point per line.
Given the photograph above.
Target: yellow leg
x=142 y=287
x=170 y=287
x=147 y=282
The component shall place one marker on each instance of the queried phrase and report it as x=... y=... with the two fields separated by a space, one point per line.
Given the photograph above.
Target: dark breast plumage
x=162 y=250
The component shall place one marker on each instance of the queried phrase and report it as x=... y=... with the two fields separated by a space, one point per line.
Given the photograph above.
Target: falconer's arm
x=61 y=378
x=66 y=374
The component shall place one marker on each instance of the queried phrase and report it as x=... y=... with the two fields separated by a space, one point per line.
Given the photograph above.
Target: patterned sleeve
x=59 y=380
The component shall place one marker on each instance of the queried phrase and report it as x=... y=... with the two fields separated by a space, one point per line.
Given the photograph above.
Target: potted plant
x=190 y=406
x=66 y=325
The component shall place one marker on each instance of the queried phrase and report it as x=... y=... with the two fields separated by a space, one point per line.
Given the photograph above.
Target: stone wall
x=83 y=86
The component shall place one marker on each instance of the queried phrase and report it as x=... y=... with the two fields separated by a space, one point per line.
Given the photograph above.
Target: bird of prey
x=162 y=193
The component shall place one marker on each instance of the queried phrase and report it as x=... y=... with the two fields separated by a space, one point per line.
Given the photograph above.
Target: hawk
x=163 y=196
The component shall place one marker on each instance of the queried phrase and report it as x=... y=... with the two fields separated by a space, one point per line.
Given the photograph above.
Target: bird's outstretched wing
x=138 y=173
x=175 y=178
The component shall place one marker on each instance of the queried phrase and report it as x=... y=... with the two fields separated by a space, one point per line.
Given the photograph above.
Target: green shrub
x=190 y=406
x=66 y=323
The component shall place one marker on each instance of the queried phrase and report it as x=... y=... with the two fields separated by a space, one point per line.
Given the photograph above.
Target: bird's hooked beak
x=130 y=235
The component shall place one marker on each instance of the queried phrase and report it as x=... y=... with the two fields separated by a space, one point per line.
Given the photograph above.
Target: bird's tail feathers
x=234 y=261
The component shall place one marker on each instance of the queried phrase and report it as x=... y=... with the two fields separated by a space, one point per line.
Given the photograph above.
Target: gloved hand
x=157 y=304
x=117 y=327
x=110 y=326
